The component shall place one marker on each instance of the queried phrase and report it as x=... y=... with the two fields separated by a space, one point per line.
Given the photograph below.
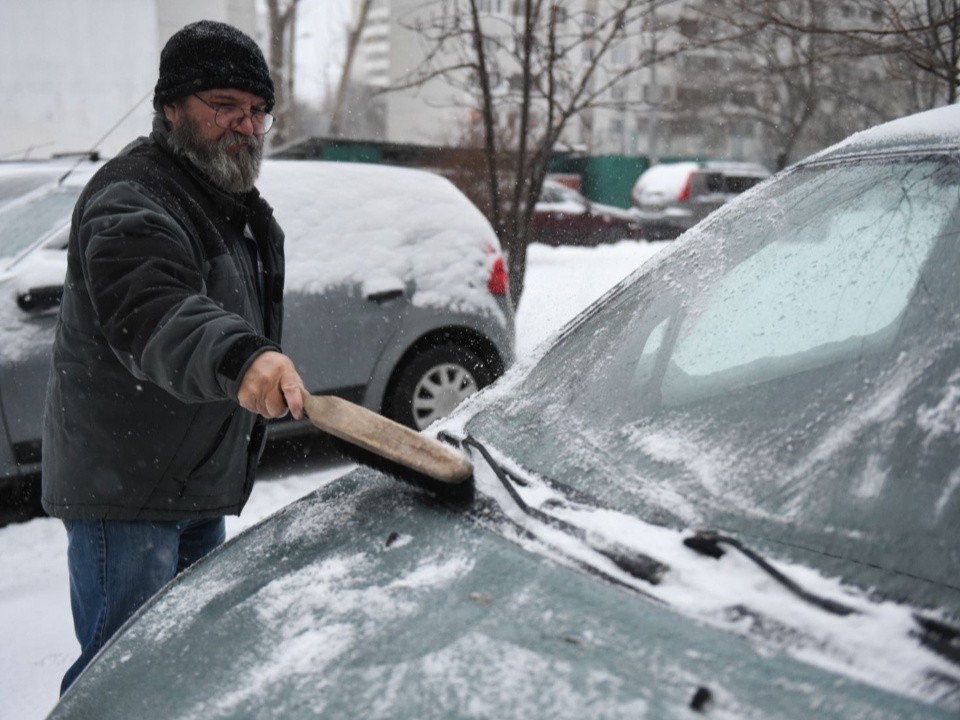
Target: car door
x=335 y=336
x=30 y=291
x=23 y=380
x=33 y=232
x=562 y=216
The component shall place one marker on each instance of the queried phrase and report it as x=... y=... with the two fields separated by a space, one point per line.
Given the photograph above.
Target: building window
x=650 y=94
x=743 y=97
x=620 y=55
x=491 y=6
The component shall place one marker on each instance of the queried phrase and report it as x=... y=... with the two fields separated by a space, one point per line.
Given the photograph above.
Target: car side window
x=34 y=217
x=550 y=195
x=714 y=182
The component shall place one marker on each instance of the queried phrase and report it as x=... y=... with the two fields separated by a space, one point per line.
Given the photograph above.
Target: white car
x=670 y=198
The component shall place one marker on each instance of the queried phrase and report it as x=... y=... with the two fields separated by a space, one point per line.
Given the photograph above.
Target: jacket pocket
x=211 y=451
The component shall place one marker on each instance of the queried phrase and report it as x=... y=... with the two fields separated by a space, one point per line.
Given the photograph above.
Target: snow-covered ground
x=36 y=631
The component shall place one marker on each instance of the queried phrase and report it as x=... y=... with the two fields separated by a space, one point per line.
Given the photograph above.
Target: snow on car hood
x=356 y=223
x=360 y=600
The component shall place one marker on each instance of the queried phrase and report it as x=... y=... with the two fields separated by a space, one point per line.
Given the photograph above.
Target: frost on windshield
x=784 y=376
x=830 y=274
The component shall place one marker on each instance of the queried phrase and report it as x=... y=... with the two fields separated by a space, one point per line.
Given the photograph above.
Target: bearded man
x=166 y=363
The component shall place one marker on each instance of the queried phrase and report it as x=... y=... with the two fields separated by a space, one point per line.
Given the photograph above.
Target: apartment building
x=646 y=113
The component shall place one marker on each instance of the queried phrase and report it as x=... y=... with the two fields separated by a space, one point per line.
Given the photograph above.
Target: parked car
x=729 y=487
x=396 y=291
x=670 y=198
x=563 y=216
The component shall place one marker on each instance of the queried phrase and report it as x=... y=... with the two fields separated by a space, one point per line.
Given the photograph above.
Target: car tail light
x=498 y=282
x=685 y=193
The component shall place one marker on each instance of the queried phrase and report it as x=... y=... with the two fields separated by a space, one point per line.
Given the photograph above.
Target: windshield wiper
x=636 y=564
x=707 y=542
x=941 y=637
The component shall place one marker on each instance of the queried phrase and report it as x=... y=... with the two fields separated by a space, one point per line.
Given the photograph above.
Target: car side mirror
x=40 y=298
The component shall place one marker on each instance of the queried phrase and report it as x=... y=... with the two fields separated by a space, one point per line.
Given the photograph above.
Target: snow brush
x=378 y=442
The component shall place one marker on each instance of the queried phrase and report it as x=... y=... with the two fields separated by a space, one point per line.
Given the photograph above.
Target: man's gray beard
x=235 y=172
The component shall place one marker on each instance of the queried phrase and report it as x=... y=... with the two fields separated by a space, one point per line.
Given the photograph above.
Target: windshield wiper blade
x=636 y=564
x=941 y=637
x=707 y=542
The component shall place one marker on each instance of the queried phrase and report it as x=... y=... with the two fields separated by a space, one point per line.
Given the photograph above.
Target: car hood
x=613 y=211
x=364 y=599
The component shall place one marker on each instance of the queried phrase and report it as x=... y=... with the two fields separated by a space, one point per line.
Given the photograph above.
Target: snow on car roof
x=667 y=178
x=730 y=167
x=938 y=128
x=376 y=224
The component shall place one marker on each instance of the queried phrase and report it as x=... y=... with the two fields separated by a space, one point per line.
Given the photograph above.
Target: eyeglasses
x=230 y=117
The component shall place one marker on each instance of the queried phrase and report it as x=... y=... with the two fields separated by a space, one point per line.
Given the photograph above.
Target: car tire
x=432 y=383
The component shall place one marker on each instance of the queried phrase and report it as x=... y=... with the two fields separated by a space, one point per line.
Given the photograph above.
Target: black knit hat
x=209 y=54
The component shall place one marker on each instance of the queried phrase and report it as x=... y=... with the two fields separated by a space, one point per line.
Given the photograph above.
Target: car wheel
x=432 y=383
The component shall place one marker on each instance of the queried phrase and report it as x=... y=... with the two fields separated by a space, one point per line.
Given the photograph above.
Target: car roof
x=731 y=167
x=931 y=131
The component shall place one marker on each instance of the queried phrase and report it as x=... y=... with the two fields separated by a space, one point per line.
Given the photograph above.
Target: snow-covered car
x=670 y=198
x=396 y=291
x=728 y=487
x=562 y=216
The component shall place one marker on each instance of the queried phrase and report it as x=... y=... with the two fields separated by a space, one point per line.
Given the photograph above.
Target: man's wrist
x=243 y=352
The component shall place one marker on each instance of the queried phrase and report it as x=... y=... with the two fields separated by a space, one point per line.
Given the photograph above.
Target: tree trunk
x=281 y=22
x=516 y=267
x=353 y=40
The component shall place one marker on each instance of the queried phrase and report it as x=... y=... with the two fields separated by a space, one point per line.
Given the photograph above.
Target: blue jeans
x=116 y=565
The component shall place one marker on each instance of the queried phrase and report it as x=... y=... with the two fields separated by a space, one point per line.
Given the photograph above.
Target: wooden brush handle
x=386 y=438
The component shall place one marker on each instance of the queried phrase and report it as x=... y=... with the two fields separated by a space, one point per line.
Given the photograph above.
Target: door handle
x=384 y=295
x=40 y=298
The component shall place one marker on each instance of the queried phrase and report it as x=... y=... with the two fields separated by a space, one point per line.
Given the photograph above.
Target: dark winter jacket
x=162 y=314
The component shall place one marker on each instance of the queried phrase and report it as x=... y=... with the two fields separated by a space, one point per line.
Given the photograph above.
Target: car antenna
x=91 y=153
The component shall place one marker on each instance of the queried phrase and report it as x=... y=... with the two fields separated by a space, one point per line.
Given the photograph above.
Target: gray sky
x=320 y=46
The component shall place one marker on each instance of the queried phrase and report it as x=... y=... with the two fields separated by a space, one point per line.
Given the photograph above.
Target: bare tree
x=353 y=40
x=528 y=72
x=923 y=34
x=804 y=89
x=283 y=20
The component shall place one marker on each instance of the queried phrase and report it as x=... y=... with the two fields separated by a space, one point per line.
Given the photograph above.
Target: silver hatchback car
x=396 y=291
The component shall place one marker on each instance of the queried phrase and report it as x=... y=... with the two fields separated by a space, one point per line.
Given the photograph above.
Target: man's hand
x=271 y=386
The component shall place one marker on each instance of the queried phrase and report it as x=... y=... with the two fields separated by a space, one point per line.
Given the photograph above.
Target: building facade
x=682 y=78
x=76 y=72
x=638 y=115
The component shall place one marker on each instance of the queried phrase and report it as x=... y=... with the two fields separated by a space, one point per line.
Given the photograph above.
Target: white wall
x=71 y=69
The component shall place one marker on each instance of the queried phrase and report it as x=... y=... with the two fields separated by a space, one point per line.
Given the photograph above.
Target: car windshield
x=790 y=373
x=557 y=193
x=27 y=219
